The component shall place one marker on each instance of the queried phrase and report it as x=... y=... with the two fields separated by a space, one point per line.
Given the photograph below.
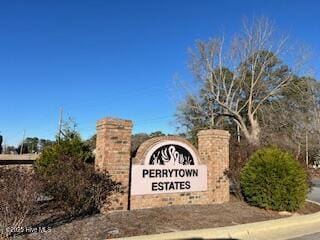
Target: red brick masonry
x=113 y=155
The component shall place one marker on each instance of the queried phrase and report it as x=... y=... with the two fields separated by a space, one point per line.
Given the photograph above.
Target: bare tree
x=239 y=77
x=293 y=117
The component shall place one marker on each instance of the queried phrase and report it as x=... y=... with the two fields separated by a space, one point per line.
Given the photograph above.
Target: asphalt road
x=315 y=193
x=314 y=196
x=315 y=236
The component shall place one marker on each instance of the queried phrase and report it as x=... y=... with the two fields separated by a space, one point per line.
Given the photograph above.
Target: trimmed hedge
x=274 y=179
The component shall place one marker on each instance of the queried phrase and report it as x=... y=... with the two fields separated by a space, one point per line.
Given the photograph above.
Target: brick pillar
x=113 y=155
x=213 y=146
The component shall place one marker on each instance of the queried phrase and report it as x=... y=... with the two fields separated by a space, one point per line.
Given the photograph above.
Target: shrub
x=67 y=174
x=274 y=179
x=239 y=154
x=17 y=200
x=75 y=187
x=71 y=145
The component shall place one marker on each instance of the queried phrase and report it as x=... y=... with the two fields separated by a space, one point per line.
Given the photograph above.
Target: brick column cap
x=214 y=133
x=111 y=122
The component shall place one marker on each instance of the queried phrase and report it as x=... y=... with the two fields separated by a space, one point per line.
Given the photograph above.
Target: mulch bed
x=161 y=220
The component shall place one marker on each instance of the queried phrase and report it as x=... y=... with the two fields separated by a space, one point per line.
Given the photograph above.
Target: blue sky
x=116 y=58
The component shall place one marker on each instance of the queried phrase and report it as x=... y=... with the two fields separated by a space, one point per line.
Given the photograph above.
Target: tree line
x=28 y=145
x=257 y=87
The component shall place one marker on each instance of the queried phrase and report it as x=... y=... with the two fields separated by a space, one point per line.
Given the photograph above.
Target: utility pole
x=24 y=135
x=4 y=145
x=60 y=124
x=1 y=139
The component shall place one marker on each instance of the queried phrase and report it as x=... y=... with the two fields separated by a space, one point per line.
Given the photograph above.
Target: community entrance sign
x=164 y=171
x=170 y=166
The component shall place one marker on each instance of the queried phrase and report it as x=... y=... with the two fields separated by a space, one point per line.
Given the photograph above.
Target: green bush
x=274 y=179
x=71 y=145
x=67 y=175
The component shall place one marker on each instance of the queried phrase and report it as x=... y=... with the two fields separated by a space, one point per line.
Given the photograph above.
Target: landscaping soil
x=161 y=220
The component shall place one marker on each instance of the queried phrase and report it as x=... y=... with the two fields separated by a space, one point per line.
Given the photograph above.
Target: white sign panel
x=162 y=179
x=169 y=167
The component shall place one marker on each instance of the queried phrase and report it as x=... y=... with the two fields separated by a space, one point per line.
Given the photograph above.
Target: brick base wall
x=113 y=155
x=213 y=151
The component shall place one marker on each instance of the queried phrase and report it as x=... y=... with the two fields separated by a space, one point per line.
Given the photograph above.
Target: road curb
x=314 y=202
x=278 y=229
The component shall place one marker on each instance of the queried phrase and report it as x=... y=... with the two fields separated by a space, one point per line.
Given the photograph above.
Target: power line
x=145 y=93
x=143 y=122
x=142 y=93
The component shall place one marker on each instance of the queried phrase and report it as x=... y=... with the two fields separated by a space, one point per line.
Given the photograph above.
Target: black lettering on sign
x=144 y=172
x=170 y=186
x=154 y=186
x=171 y=155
